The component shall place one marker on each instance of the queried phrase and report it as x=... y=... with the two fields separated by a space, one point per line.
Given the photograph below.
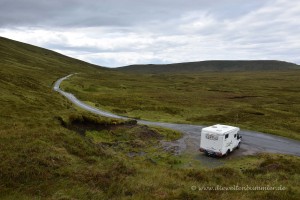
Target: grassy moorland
x=49 y=149
x=267 y=101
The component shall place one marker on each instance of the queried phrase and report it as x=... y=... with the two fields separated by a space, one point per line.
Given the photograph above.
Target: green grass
x=262 y=101
x=52 y=150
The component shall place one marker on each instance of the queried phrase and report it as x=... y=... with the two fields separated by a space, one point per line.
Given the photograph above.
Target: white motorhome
x=219 y=139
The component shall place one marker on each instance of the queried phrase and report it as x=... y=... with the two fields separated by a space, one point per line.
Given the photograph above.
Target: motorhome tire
x=227 y=152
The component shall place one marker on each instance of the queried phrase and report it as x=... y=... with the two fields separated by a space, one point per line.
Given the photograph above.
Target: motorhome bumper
x=211 y=153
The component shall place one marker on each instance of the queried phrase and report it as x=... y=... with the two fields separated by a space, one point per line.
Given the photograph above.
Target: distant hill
x=217 y=65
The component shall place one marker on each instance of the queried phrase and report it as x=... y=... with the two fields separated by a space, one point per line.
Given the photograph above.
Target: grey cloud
x=91 y=13
x=121 y=32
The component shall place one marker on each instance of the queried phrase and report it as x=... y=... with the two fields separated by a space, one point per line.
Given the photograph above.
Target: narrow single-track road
x=252 y=141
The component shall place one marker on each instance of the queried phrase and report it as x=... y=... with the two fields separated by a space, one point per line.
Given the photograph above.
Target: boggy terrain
x=265 y=101
x=51 y=149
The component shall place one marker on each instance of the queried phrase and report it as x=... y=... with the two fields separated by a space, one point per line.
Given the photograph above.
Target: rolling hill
x=26 y=76
x=36 y=150
x=14 y=53
x=49 y=149
x=217 y=65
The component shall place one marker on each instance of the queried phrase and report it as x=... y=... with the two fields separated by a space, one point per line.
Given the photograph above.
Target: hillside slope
x=49 y=149
x=36 y=151
x=218 y=65
x=18 y=54
x=26 y=77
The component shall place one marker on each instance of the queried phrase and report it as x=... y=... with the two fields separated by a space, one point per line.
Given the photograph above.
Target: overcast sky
x=122 y=32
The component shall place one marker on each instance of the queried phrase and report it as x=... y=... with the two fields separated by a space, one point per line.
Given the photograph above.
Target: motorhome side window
x=234 y=135
x=226 y=136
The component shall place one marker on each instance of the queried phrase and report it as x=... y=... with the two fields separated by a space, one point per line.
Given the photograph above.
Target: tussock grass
x=262 y=101
x=49 y=149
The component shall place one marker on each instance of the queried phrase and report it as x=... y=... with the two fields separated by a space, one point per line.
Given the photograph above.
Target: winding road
x=252 y=142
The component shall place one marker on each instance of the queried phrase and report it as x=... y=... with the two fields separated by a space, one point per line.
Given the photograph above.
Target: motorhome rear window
x=211 y=136
x=226 y=136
